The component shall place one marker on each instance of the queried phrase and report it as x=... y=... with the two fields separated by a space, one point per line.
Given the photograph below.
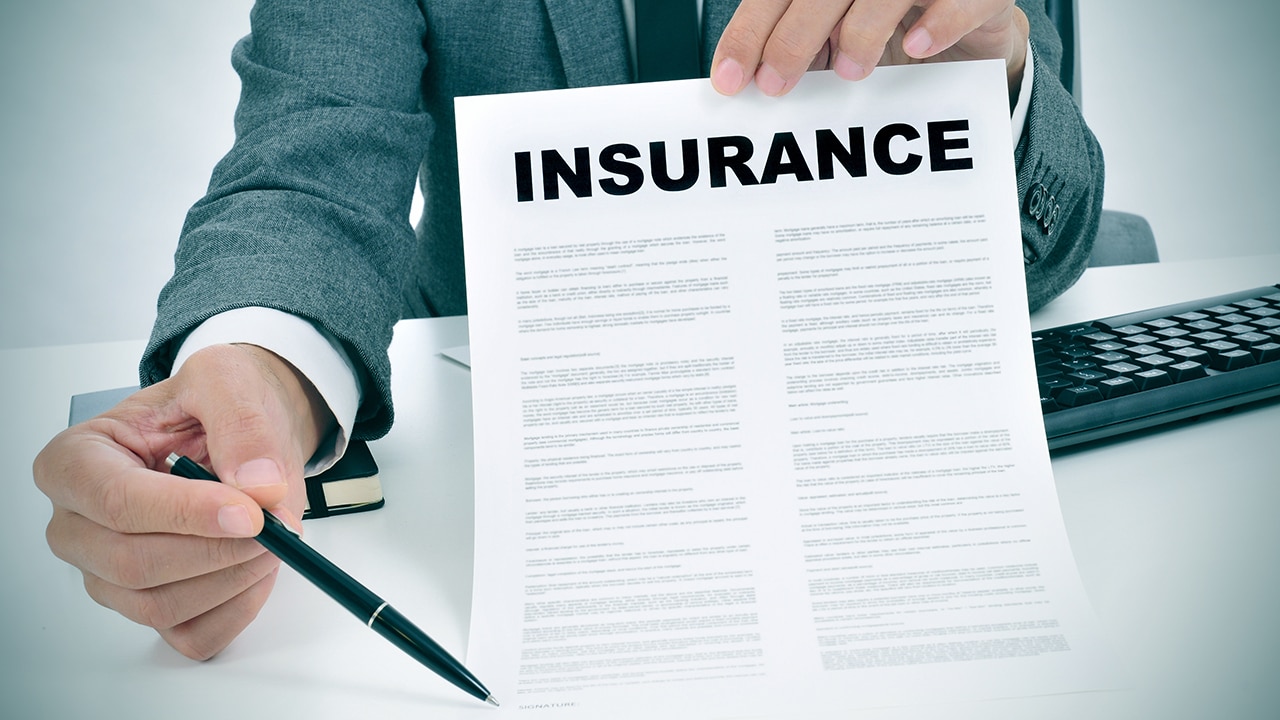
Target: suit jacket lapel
x=592 y=41
x=715 y=15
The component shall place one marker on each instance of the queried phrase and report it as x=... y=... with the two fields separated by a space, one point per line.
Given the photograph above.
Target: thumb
x=256 y=413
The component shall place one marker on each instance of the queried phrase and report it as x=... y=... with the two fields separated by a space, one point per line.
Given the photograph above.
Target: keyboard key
x=1217 y=347
x=1048 y=405
x=1220 y=310
x=1161 y=323
x=1141 y=339
x=1121 y=368
x=1269 y=352
x=1204 y=325
x=1190 y=317
x=1175 y=343
x=1263 y=312
x=1110 y=357
x=1232 y=360
x=1191 y=353
x=1117 y=387
x=1085 y=377
x=1273 y=297
x=1144 y=350
x=1209 y=336
x=1153 y=361
x=1238 y=329
x=1097 y=337
x=1172 y=332
x=1266 y=323
x=1078 y=352
x=1249 y=339
x=1077 y=365
x=1078 y=395
x=1051 y=387
x=1060 y=343
x=1077 y=330
x=1129 y=330
x=1112 y=346
x=1152 y=379
x=1187 y=370
x=1233 y=318
x=1249 y=303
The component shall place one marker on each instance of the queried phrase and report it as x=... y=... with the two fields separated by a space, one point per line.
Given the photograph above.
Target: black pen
x=362 y=602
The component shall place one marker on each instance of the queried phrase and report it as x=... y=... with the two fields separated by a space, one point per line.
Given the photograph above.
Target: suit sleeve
x=309 y=211
x=1060 y=173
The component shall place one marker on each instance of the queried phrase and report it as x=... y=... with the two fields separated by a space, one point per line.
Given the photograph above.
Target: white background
x=115 y=113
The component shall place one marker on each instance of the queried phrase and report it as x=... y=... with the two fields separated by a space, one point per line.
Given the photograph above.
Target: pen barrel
x=349 y=593
x=364 y=604
x=346 y=590
x=402 y=633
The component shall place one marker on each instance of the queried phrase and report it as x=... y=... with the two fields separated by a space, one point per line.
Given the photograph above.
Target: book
x=351 y=485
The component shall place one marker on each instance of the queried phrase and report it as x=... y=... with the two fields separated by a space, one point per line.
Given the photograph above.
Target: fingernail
x=234 y=520
x=259 y=473
x=918 y=42
x=769 y=81
x=727 y=78
x=291 y=521
x=846 y=68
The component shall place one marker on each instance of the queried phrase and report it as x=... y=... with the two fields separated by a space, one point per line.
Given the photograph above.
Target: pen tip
x=491 y=701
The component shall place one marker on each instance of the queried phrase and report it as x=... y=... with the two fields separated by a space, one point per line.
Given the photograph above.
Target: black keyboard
x=1138 y=370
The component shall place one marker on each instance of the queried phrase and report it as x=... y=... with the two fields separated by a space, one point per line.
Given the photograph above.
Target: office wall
x=113 y=115
x=1183 y=98
x=115 y=112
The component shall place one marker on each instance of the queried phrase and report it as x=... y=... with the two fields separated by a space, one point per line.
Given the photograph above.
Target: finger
x=822 y=61
x=86 y=472
x=168 y=606
x=742 y=43
x=946 y=22
x=142 y=561
x=866 y=30
x=249 y=431
x=800 y=36
x=206 y=635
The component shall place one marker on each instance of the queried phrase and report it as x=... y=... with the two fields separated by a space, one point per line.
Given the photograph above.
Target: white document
x=755 y=410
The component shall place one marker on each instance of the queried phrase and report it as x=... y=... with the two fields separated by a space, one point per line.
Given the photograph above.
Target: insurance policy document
x=755 y=410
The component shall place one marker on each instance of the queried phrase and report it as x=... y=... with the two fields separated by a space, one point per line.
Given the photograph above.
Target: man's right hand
x=177 y=554
x=774 y=42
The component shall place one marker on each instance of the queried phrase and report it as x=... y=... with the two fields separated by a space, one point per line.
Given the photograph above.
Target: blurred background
x=115 y=113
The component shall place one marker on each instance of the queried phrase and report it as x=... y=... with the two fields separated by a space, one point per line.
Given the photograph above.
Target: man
x=302 y=246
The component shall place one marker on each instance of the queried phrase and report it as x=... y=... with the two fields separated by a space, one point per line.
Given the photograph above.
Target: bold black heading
x=730 y=155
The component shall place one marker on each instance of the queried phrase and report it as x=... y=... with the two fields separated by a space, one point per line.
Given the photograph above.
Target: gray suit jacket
x=345 y=102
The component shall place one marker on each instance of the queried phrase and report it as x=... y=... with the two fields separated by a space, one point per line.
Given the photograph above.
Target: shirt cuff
x=313 y=351
x=1019 y=117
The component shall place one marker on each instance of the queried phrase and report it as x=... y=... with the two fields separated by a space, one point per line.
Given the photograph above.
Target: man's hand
x=172 y=553
x=774 y=42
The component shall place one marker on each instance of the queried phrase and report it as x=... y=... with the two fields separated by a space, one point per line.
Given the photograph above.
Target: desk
x=1175 y=533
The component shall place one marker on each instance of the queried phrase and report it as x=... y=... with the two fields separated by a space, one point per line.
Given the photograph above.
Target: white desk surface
x=1175 y=533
